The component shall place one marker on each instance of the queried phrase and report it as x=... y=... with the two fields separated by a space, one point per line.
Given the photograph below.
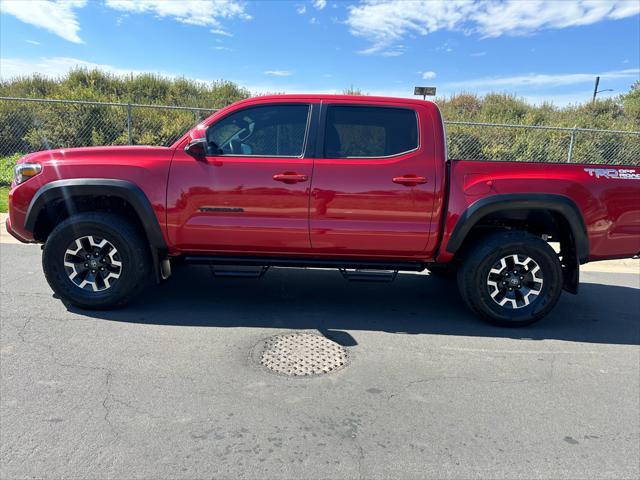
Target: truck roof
x=327 y=96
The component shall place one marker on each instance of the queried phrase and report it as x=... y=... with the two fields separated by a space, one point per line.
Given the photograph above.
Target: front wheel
x=511 y=278
x=96 y=260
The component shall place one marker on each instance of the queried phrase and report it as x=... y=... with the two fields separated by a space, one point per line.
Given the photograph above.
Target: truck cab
x=301 y=175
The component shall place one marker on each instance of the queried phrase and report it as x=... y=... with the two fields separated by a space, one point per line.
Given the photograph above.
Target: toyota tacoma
x=359 y=184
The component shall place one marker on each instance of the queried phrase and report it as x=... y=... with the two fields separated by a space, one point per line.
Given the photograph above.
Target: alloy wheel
x=92 y=263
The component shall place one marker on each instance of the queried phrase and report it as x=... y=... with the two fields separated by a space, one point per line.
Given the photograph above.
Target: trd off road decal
x=623 y=173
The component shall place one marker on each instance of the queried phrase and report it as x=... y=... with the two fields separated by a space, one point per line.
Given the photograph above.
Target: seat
x=332 y=144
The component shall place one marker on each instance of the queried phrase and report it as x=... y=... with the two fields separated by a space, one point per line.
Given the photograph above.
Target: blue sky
x=540 y=50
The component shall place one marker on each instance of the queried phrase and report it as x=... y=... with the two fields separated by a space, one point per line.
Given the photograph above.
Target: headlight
x=24 y=171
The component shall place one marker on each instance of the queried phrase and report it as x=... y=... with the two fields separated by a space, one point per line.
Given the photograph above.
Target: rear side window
x=274 y=130
x=369 y=131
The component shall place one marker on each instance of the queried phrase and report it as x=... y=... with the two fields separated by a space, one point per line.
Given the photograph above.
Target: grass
x=4 y=200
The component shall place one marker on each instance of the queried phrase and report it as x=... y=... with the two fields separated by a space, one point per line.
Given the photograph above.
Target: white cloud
x=428 y=75
x=314 y=21
x=204 y=13
x=534 y=80
x=57 y=17
x=220 y=31
x=51 y=67
x=319 y=4
x=32 y=42
x=478 y=54
x=278 y=73
x=301 y=9
x=394 y=51
x=384 y=22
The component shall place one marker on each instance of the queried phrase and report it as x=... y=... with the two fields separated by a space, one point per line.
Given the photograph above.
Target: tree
x=352 y=91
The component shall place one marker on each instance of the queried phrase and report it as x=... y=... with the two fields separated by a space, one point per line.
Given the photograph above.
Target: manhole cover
x=302 y=354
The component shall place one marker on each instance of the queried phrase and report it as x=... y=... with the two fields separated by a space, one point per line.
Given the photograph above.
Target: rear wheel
x=511 y=278
x=96 y=260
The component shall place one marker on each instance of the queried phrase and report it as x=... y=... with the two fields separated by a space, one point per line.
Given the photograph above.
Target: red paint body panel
x=234 y=204
x=147 y=167
x=357 y=209
x=345 y=207
x=610 y=207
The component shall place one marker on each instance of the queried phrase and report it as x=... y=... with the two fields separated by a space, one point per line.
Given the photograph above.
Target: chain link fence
x=28 y=125
x=533 y=143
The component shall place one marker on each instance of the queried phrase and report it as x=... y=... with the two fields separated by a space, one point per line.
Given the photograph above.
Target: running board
x=238 y=271
x=361 y=275
x=305 y=263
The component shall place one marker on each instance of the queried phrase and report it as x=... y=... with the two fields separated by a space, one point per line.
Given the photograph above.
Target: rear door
x=373 y=187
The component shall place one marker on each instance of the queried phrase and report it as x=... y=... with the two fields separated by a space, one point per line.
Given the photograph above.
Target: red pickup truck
x=360 y=184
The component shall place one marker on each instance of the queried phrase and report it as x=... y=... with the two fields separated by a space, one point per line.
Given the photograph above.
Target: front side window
x=272 y=130
x=369 y=131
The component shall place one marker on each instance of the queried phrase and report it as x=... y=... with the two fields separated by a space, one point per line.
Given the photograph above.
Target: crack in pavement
x=107 y=409
x=360 y=458
x=545 y=379
x=108 y=379
x=22 y=329
x=109 y=397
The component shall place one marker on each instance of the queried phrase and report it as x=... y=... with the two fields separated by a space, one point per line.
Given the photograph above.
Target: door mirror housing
x=197 y=148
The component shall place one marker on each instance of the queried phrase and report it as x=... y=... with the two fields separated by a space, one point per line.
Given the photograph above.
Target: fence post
x=571 y=143
x=129 y=123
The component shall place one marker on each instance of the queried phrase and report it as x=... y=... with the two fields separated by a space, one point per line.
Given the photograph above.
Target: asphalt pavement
x=168 y=387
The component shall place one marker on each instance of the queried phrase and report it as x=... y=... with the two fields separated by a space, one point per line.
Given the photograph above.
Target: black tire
x=132 y=251
x=485 y=254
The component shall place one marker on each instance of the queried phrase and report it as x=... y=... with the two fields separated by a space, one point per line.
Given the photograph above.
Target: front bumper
x=15 y=234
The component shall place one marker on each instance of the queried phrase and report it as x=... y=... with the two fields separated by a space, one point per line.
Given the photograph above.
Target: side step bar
x=238 y=271
x=304 y=263
x=360 y=275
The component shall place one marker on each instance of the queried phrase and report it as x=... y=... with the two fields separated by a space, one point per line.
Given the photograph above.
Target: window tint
x=276 y=130
x=369 y=131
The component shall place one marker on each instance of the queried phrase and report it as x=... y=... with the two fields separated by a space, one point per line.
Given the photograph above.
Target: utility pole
x=595 y=89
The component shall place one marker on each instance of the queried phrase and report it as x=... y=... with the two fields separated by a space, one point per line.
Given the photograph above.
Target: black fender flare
x=93 y=187
x=538 y=201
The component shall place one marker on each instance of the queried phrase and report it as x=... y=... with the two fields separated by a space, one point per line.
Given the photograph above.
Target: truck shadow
x=293 y=299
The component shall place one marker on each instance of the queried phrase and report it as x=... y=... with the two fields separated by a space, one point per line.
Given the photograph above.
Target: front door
x=251 y=193
x=373 y=186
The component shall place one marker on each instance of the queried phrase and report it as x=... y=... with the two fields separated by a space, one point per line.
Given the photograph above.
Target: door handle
x=290 y=177
x=410 y=180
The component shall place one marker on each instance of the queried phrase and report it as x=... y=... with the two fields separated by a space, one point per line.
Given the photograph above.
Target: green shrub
x=32 y=126
x=26 y=127
x=6 y=168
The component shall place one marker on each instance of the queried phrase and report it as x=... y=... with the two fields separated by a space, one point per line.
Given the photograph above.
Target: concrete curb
x=5 y=237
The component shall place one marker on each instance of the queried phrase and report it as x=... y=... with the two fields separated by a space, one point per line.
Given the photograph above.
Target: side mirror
x=197 y=148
